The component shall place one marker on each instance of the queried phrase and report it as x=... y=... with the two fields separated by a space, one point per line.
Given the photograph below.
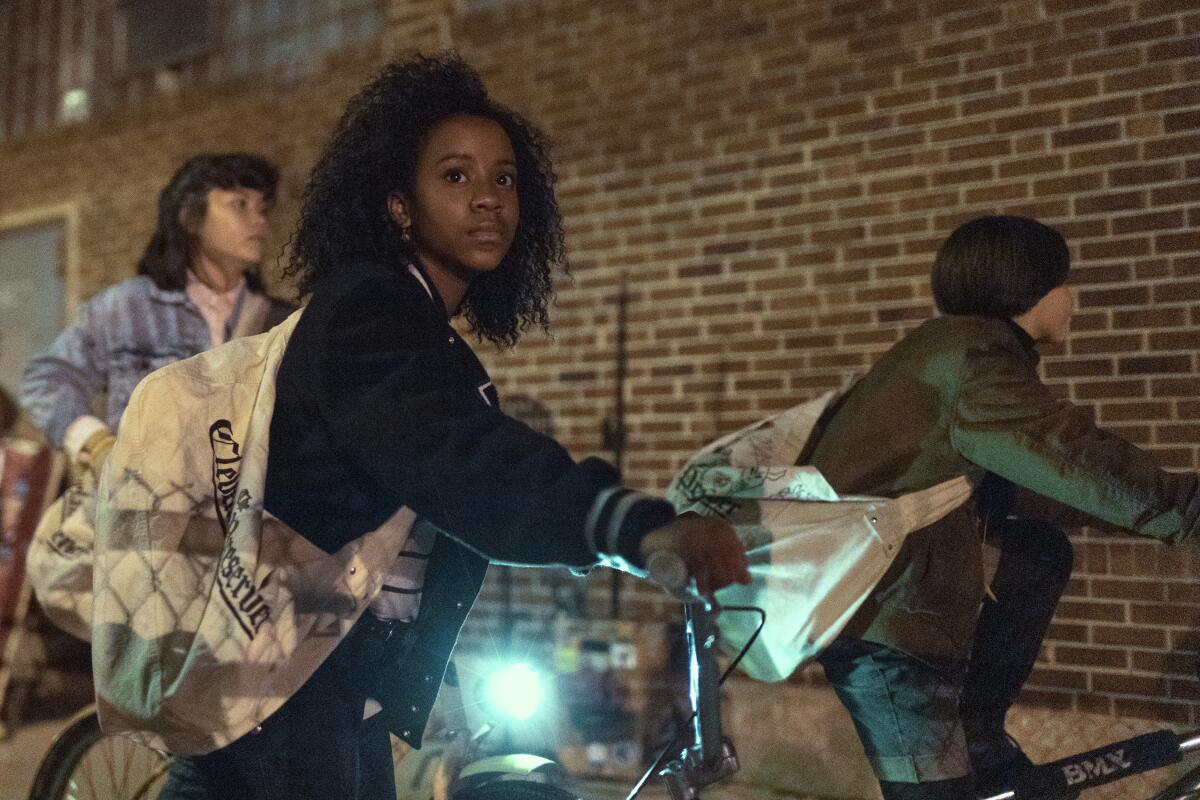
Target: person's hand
x=95 y=451
x=708 y=547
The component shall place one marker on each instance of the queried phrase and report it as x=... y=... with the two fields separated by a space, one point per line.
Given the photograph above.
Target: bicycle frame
x=711 y=756
x=1112 y=763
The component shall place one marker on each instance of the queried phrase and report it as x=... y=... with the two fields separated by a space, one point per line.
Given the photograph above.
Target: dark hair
x=8 y=412
x=998 y=266
x=373 y=152
x=184 y=202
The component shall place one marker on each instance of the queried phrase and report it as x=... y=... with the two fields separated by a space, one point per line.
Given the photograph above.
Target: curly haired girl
x=431 y=200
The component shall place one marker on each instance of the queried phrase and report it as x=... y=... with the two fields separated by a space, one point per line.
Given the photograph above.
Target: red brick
x=985 y=18
x=1134 y=295
x=1141 y=80
x=997 y=58
x=1150 y=318
x=961 y=130
x=991 y=104
x=1030 y=120
x=945 y=47
x=1113 y=201
x=1157 y=221
x=1048 y=677
x=1173 y=50
x=1145 y=174
x=1113 y=412
x=1090 y=656
x=1122 y=153
x=980 y=150
x=1176 y=242
x=1108 y=62
x=1176 y=193
x=1092 y=134
x=1069 y=184
x=1032 y=166
x=1161 y=8
x=1109 y=683
x=1145 y=709
x=1172 y=146
x=1024 y=33
x=1102 y=390
x=1077 y=368
x=1147 y=365
x=1148 y=31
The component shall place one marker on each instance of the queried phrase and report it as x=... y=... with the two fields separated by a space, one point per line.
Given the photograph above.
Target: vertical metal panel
x=51 y=47
x=6 y=66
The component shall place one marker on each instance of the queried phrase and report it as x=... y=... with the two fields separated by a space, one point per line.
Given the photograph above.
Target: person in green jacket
x=927 y=677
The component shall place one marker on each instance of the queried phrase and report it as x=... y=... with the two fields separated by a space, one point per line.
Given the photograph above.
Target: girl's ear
x=191 y=217
x=398 y=210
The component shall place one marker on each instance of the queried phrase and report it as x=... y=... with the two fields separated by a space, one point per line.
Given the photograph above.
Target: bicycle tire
x=84 y=763
x=515 y=790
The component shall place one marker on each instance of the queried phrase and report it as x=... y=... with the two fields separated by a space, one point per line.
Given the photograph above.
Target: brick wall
x=771 y=178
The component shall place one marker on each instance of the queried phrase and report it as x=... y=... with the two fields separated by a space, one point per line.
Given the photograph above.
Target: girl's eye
x=455 y=176
x=507 y=180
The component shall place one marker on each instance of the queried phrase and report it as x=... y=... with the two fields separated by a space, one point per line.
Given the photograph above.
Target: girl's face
x=233 y=233
x=1057 y=315
x=463 y=211
x=1050 y=318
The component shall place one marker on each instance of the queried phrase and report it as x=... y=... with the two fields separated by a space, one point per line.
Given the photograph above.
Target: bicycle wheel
x=515 y=790
x=84 y=763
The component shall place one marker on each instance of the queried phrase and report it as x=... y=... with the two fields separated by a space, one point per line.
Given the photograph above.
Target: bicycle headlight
x=516 y=690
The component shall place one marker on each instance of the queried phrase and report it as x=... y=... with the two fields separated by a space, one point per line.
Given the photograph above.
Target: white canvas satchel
x=60 y=558
x=209 y=613
x=814 y=556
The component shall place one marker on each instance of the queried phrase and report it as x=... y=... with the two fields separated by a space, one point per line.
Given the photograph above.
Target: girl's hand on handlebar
x=708 y=547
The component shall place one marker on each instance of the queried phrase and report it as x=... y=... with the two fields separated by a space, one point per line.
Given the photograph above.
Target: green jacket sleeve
x=1009 y=423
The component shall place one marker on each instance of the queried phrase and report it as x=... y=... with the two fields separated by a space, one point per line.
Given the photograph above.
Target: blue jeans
x=315 y=747
x=933 y=732
x=904 y=710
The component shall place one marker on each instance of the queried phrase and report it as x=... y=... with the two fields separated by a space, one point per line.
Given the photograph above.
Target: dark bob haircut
x=374 y=151
x=9 y=412
x=998 y=266
x=183 y=203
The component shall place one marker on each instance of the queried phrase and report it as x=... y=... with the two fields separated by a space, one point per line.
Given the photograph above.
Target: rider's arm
x=403 y=404
x=1009 y=423
x=58 y=385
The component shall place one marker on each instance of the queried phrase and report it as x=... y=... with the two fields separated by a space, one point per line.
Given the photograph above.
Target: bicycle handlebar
x=669 y=571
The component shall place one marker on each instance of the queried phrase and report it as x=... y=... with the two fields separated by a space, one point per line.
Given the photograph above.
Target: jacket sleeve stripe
x=596 y=516
x=617 y=519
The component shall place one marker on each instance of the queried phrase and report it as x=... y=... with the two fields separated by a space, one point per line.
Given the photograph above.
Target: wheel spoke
x=115 y=768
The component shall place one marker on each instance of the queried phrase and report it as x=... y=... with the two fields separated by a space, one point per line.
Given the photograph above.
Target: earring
x=405 y=236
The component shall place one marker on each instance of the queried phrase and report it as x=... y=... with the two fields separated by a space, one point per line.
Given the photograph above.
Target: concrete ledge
x=797 y=738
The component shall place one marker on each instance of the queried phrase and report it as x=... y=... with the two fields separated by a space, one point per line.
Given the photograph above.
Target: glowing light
x=74 y=106
x=516 y=690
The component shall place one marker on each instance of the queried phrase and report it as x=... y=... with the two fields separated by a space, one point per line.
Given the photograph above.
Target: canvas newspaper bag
x=814 y=555
x=59 y=559
x=61 y=553
x=209 y=613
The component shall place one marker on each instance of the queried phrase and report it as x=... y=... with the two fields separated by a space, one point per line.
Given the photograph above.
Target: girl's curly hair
x=373 y=152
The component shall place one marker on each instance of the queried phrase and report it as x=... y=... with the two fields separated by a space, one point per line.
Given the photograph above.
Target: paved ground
x=19 y=755
x=22 y=751
x=727 y=791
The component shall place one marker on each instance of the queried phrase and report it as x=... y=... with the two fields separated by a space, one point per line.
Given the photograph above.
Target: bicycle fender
x=511 y=764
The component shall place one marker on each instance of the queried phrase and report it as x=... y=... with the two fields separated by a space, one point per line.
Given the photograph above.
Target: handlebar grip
x=669 y=571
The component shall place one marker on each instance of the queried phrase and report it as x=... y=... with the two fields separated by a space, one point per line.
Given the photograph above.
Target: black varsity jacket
x=380 y=404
